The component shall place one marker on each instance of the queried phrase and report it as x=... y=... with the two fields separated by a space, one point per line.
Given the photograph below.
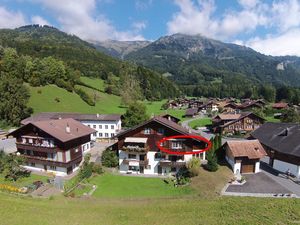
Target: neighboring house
x=105 y=125
x=170 y=117
x=52 y=145
x=244 y=156
x=2 y=134
x=230 y=108
x=191 y=112
x=281 y=142
x=251 y=104
x=209 y=106
x=280 y=105
x=232 y=123
x=138 y=152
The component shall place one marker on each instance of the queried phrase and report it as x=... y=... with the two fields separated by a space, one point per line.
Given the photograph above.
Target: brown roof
x=76 y=116
x=191 y=111
x=246 y=148
x=229 y=116
x=58 y=129
x=280 y=105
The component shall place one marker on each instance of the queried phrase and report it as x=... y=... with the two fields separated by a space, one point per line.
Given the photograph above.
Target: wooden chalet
x=52 y=145
x=280 y=105
x=232 y=123
x=138 y=151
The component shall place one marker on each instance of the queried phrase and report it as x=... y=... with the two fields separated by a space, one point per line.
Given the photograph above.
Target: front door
x=159 y=169
x=141 y=169
x=45 y=167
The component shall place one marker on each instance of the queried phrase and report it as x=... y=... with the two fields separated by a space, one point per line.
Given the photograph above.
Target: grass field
x=117 y=186
x=93 y=82
x=24 y=181
x=151 y=203
x=272 y=119
x=200 y=122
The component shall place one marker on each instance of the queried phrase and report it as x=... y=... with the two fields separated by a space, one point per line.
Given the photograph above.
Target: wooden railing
x=38 y=148
x=172 y=163
x=133 y=148
x=144 y=162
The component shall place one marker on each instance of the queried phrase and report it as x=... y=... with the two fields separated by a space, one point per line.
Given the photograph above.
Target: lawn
x=118 y=186
x=272 y=119
x=23 y=181
x=93 y=82
x=200 y=122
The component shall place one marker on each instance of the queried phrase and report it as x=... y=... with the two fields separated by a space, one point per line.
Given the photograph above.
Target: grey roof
x=191 y=111
x=8 y=145
x=76 y=116
x=282 y=137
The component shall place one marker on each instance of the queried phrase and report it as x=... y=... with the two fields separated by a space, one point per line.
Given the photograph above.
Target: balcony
x=135 y=148
x=140 y=162
x=50 y=162
x=169 y=163
x=33 y=147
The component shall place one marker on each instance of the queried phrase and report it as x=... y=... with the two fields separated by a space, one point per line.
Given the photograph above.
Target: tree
x=109 y=158
x=130 y=90
x=212 y=161
x=291 y=116
x=86 y=169
x=12 y=167
x=135 y=114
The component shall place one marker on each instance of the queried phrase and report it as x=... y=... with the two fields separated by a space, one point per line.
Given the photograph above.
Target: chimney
x=169 y=117
x=68 y=130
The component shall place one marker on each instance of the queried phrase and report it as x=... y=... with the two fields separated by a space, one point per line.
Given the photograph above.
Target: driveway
x=259 y=183
x=97 y=150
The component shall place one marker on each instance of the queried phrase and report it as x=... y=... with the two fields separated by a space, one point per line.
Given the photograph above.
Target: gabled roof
x=242 y=115
x=251 y=149
x=76 y=116
x=168 y=123
x=58 y=129
x=282 y=137
x=228 y=116
x=280 y=105
x=191 y=111
x=166 y=116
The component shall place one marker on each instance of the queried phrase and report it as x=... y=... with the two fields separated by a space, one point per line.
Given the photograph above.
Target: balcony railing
x=168 y=163
x=135 y=148
x=32 y=147
x=144 y=162
x=43 y=160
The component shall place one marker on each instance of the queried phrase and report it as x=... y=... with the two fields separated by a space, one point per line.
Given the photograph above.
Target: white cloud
x=284 y=44
x=10 y=19
x=79 y=17
x=143 y=4
x=198 y=17
x=139 y=25
x=39 y=20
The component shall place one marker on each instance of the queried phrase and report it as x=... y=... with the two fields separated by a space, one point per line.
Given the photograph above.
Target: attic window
x=285 y=132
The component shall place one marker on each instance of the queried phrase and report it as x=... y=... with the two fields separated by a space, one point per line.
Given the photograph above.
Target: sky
x=271 y=27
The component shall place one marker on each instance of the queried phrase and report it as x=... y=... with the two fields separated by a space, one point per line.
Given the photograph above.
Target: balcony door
x=141 y=169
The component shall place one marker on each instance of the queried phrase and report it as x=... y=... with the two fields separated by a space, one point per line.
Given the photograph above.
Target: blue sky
x=269 y=26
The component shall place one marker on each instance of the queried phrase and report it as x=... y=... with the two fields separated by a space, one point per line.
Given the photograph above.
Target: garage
x=244 y=155
x=247 y=166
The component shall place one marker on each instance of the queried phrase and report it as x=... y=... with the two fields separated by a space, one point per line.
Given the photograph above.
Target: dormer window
x=147 y=131
x=161 y=131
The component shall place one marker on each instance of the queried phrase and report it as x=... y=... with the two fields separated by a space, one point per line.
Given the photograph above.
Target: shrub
x=84 y=96
x=212 y=161
x=57 y=99
x=109 y=158
x=96 y=168
x=193 y=167
x=64 y=84
x=86 y=169
x=39 y=91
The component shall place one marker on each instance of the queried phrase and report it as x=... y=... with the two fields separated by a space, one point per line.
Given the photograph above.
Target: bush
x=86 y=169
x=64 y=84
x=39 y=91
x=84 y=96
x=109 y=158
x=57 y=99
x=212 y=161
x=96 y=168
x=193 y=167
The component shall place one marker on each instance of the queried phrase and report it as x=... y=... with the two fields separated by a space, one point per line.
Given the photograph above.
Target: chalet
x=232 y=123
x=105 y=125
x=250 y=105
x=280 y=105
x=281 y=142
x=191 y=112
x=244 y=156
x=230 y=108
x=211 y=106
x=52 y=145
x=138 y=152
x=170 y=117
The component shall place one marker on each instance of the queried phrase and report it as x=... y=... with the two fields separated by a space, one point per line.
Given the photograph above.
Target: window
x=94 y=126
x=95 y=134
x=173 y=169
x=32 y=164
x=76 y=150
x=112 y=127
x=89 y=125
x=176 y=145
x=148 y=167
x=131 y=156
x=106 y=127
x=100 y=126
x=100 y=134
x=161 y=130
x=134 y=168
x=106 y=134
x=112 y=134
x=159 y=155
x=30 y=140
x=52 y=167
x=147 y=131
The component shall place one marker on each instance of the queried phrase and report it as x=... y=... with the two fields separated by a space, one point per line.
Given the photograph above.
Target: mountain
x=44 y=41
x=119 y=49
x=194 y=59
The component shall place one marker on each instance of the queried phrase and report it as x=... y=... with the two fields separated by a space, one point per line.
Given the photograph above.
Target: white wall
x=265 y=159
x=257 y=167
x=236 y=166
x=284 y=166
